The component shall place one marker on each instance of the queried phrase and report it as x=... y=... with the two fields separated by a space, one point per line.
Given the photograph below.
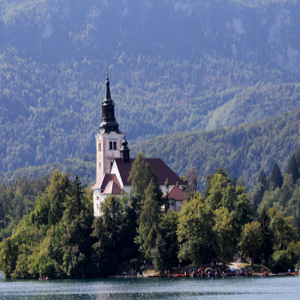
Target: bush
x=281 y=261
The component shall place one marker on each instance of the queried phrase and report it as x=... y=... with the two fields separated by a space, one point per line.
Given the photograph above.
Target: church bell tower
x=109 y=138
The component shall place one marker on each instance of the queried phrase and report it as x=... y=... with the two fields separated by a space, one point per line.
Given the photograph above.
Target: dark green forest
x=214 y=69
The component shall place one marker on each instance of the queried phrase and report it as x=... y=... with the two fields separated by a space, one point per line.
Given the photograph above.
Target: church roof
x=160 y=168
x=105 y=179
x=175 y=193
x=112 y=189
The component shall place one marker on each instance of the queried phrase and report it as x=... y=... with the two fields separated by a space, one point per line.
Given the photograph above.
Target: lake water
x=152 y=289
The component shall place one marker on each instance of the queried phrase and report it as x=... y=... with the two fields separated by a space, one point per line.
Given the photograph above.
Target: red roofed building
x=114 y=162
x=175 y=198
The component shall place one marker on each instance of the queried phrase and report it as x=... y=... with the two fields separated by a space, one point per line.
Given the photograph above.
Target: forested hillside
x=174 y=66
x=243 y=150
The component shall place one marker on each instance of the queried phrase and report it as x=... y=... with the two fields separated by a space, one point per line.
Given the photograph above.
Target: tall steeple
x=109 y=123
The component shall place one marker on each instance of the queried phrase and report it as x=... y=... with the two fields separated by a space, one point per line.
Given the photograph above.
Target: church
x=114 y=162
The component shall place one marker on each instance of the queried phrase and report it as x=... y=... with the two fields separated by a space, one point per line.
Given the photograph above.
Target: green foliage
x=195 y=230
x=281 y=261
x=166 y=249
x=149 y=219
x=276 y=178
x=56 y=239
x=224 y=233
x=251 y=240
x=17 y=201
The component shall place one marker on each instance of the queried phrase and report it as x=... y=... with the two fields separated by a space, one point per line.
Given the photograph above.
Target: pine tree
x=276 y=178
x=267 y=240
x=262 y=179
x=149 y=219
x=293 y=168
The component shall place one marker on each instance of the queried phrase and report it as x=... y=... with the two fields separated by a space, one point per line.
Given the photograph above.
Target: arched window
x=115 y=145
x=110 y=146
x=99 y=147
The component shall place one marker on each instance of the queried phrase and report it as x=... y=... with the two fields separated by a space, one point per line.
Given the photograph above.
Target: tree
x=293 y=168
x=149 y=219
x=224 y=243
x=192 y=180
x=263 y=179
x=251 y=240
x=104 y=260
x=283 y=229
x=168 y=229
x=140 y=176
x=160 y=254
x=241 y=182
x=195 y=230
x=257 y=195
x=281 y=261
x=276 y=178
x=267 y=235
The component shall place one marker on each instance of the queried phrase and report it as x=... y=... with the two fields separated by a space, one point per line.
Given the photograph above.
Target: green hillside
x=243 y=150
x=174 y=66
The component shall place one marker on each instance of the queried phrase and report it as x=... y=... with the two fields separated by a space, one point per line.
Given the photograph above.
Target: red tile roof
x=105 y=179
x=112 y=189
x=175 y=193
x=160 y=168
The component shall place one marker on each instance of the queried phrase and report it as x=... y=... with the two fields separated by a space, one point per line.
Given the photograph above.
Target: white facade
x=108 y=148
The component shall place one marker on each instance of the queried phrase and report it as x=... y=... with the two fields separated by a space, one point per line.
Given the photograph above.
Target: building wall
x=176 y=205
x=105 y=155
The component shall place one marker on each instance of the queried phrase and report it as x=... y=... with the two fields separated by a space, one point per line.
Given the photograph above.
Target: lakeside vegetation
x=60 y=238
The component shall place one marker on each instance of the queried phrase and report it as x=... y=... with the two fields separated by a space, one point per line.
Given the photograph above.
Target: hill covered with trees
x=243 y=150
x=209 y=64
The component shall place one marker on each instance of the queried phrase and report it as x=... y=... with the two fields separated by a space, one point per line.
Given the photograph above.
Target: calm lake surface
x=150 y=289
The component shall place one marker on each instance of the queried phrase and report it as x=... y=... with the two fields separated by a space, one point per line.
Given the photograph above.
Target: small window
x=99 y=164
x=115 y=145
x=111 y=164
x=97 y=198
x=110 y=146
x=172 y=203
x=99 y=147
x=97 y=206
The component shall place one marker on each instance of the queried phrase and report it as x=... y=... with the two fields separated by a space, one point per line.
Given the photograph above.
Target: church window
x=109 y=112
x=99 y=164
x=99 y=147
x=110 y=146
x=115 y=145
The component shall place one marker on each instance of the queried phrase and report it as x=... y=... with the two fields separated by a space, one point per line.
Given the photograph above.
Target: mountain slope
x=174 y=66
x=243 y=150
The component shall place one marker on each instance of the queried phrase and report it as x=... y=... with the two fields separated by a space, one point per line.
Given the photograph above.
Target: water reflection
x=151 y=289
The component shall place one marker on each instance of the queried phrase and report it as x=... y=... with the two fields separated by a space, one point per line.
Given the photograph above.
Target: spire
x=107 y=89
x=109 y=123
x=125 y=151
